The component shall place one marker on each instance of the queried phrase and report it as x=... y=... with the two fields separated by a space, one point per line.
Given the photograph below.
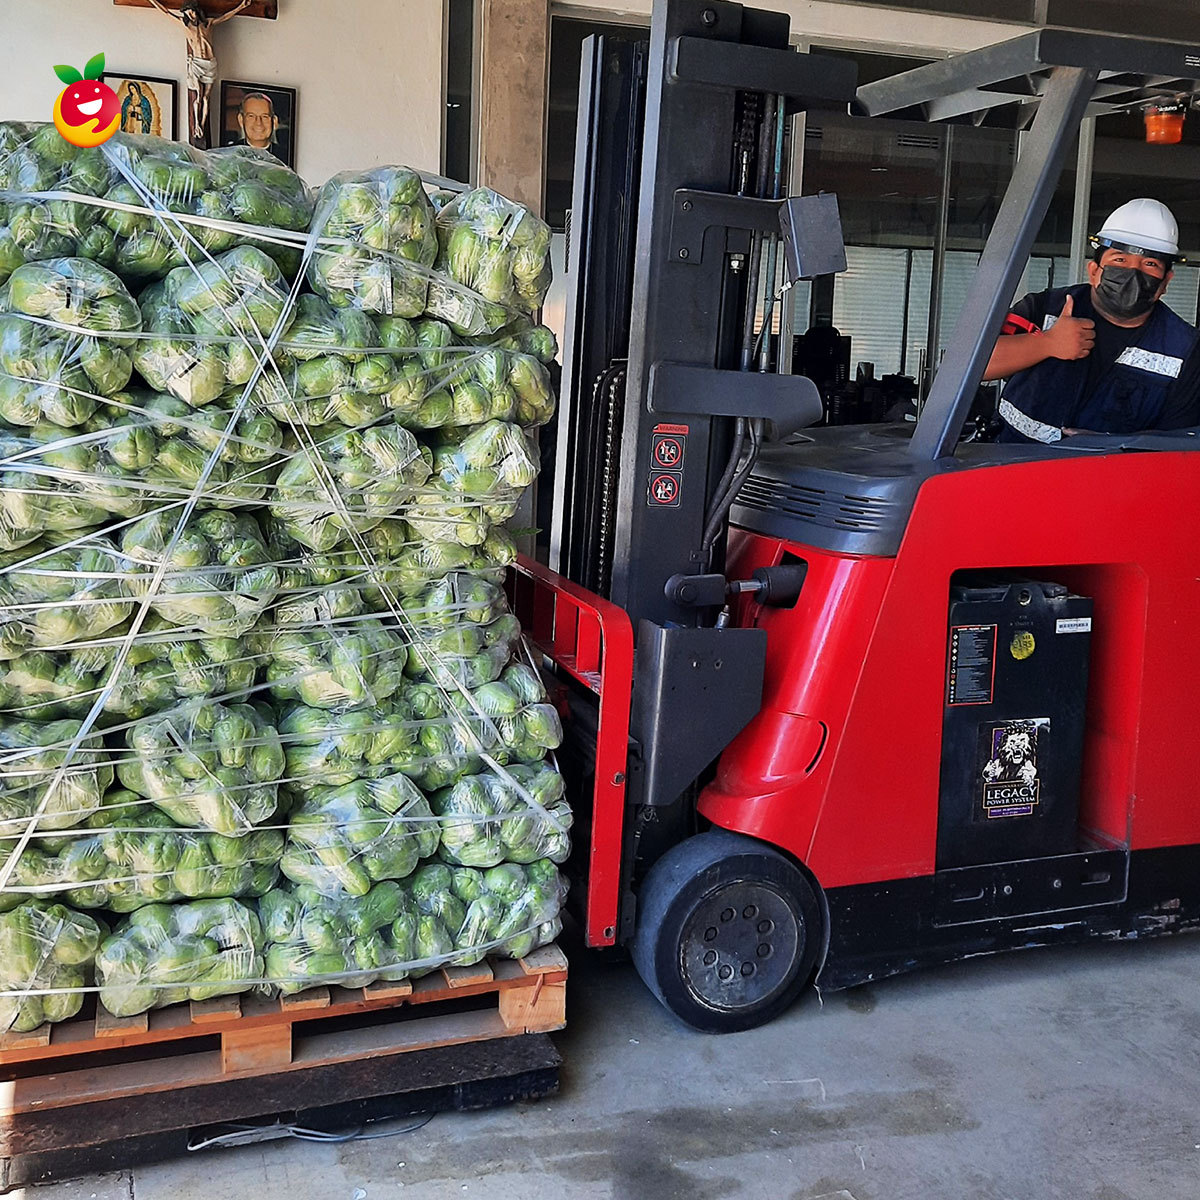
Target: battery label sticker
x=1011 y=786
x=1022 y=645
x=972 y=665
x=1073 y=625
x=665 y=489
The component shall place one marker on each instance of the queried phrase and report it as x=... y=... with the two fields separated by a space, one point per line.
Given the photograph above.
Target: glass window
x=460 y=89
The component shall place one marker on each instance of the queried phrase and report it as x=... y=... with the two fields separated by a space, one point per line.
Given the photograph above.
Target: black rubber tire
x=671 y=946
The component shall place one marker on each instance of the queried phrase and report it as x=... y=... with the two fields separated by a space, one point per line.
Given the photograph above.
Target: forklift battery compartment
x=1013 y=722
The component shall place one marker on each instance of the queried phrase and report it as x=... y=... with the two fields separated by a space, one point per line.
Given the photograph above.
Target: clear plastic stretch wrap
x=266 y=720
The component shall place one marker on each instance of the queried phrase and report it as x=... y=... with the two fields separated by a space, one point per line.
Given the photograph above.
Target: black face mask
x=1126 y=292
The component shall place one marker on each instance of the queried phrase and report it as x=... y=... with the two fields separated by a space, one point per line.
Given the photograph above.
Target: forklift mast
x=676 y=230
x=681 y=158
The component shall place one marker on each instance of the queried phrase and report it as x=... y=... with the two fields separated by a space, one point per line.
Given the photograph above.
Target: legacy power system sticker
x=1011 y=786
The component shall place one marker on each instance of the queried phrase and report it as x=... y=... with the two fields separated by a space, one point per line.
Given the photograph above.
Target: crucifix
x=198 y=19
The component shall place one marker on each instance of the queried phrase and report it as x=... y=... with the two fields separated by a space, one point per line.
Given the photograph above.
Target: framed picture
x=148 y=105
x=259 y=115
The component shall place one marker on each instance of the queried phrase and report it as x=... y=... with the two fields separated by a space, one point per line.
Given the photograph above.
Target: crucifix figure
x=201 y=61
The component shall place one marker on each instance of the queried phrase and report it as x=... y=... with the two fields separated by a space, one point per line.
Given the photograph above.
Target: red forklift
x=845 y=701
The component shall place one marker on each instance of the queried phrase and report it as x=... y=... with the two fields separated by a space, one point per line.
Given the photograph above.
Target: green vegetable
x=347 y=482
x=53 y=596
x=165 y=954
x=518 y=817
x=325 y=748
x=465 y=914
x=127 y=854
x=61 y=343
x=345 y=839
x=313 y=938
x=388 y=226
x=46 y=955
x=208 y=765
x=214 y=574
x=356 y=665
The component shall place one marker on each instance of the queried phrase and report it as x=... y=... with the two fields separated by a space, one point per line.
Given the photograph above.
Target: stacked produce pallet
x=266 y=722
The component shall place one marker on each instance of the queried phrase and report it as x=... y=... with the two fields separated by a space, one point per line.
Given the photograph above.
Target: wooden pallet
x=185 y=1046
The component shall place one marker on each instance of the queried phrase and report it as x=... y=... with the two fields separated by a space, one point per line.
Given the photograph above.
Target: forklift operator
x=1106 y=356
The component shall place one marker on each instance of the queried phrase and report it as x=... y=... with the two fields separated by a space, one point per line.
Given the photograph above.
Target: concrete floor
x=1071 y=1074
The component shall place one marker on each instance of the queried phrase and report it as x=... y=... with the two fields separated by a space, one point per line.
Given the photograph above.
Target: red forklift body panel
x=841 y=766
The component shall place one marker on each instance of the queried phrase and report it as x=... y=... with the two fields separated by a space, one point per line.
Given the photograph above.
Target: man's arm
x=1069 y=338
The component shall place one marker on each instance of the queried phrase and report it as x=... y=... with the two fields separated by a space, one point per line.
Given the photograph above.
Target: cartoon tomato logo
x=87 y=112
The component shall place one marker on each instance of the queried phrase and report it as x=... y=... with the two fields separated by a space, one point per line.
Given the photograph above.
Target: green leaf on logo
x=94 y=68
x=67 y=74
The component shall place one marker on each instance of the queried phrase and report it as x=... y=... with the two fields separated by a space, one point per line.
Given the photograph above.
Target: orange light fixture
x=1164 y=124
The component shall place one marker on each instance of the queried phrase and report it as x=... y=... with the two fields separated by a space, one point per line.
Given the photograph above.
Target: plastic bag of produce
x=167 y=666
x=448 y=382
x=167 y=953
x=345 y=839
x=61 y=343
x=128 y=854
x=463 y=915
x=387 y=237
x=516 y=817
x=325 y=749
x=510 y=715
x=46 y=956
x=163 y=667
x=216 y=576
x=47 y=685
x=36 y=158
x=313 y=938
x=460 y=633
x=355 y=664
x=476 y=483
x=214 y=318
x=41 y=778
x=206 y=764
x=331 y=368
x=407 y=565
x=495 y=247
x=54 y=595
x=340 y=481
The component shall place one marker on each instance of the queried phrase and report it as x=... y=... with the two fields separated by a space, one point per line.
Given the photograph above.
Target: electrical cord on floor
x=242 y=1134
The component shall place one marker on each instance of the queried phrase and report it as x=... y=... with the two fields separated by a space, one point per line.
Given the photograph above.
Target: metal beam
x=1083 y=198
x=953 y=83
x=1022 y=212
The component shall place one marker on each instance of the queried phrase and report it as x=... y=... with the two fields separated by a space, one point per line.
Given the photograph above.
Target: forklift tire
x=728 y=932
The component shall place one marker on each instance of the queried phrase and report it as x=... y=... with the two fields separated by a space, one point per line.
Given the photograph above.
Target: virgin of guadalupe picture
x=147 y=104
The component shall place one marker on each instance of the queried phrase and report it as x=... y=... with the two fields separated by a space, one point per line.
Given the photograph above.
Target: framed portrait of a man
x=147 y=104
x=259 y=115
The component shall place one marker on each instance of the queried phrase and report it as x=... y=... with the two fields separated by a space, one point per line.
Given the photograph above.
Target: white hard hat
x=1141 y=227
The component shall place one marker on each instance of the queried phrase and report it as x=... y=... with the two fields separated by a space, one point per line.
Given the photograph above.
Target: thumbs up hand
x=1071 y=337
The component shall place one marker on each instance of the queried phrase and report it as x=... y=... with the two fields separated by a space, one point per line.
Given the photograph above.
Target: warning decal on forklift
x=972 y=665
x=1010 y=749
x=668 y=444
x=668 y=451
x=665 y=489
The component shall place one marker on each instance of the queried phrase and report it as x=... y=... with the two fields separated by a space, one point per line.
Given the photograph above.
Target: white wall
x=831 y=23
x=368 y=72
